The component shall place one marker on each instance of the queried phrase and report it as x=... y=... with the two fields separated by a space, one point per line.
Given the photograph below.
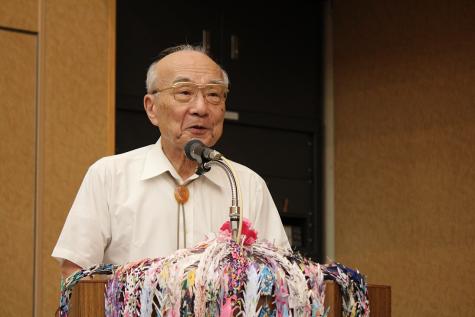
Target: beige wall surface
x=57 y=87
x=405 y=150
x=17 y=171
x=77 y=85
x=19 y=14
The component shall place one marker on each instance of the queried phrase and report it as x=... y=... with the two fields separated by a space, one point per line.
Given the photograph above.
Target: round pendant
x=181 y=194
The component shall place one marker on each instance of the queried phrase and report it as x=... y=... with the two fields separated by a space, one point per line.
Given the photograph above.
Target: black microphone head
x=193 y=149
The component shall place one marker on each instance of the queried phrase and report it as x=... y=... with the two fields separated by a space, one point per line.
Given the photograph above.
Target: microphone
x=195 y=150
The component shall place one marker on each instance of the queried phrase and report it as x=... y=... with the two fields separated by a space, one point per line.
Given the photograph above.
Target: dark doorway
x=273 y=57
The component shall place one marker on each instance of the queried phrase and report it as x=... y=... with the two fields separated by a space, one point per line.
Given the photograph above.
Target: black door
x=273 y=58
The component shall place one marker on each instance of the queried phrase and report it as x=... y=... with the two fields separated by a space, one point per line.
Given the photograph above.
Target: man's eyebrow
x=187 y=80
x=216 y=82
x=181 y=79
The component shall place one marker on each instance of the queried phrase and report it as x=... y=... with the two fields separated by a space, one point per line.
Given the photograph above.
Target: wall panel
x=77 y=116
x=17 y=171
x=57 y=87
x=404 y=136
x=19 y=14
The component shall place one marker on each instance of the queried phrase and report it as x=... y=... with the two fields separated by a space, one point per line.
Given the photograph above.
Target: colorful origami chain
x=355 y=302
x=68 y=284
x=221 y=278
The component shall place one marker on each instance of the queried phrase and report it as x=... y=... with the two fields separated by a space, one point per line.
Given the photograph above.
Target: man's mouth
x=197 y=129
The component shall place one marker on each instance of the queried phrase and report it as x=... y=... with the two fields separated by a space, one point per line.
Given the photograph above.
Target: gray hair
x=152 y=74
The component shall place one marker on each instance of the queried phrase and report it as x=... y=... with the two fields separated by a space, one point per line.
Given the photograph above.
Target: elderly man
x=149 y=202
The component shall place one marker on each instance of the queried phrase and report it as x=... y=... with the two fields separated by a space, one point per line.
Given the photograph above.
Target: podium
x=87 y=299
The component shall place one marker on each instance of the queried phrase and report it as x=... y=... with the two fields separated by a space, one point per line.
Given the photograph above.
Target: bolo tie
x=182 y=194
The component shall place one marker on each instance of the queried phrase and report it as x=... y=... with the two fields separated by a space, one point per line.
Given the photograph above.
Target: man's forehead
x=187 y=64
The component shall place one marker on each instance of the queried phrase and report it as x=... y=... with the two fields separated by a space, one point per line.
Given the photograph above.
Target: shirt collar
x=156 y=163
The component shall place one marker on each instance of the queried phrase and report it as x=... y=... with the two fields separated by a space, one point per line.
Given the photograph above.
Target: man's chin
x=206 y=139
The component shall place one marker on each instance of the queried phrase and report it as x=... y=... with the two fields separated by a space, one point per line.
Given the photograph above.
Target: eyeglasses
x=185 y=91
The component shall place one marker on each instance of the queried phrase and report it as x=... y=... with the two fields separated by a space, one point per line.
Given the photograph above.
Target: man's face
x=197 y=118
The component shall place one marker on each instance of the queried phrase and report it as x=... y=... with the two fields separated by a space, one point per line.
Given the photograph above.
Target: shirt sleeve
x=86 y=231
x=266 y=218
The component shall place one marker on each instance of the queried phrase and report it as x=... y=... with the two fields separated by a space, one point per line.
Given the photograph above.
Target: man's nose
x=199 y=104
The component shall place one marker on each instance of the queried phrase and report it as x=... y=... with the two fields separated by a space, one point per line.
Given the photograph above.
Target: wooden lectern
x=87 y=299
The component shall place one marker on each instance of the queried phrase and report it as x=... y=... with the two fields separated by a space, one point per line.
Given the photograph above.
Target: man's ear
x=150 y=108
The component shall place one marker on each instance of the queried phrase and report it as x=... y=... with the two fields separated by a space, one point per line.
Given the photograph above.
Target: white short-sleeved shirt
x=125 y=209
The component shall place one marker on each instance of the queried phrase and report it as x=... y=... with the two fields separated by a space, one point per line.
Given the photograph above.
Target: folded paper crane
x=221 y=278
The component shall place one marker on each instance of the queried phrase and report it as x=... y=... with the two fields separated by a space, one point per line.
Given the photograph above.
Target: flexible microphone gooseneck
x=195 y=150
